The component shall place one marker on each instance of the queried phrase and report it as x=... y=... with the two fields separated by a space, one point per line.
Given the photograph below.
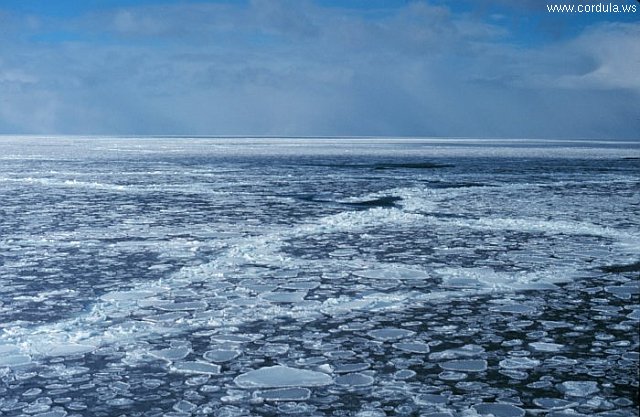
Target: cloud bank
x=283 y=67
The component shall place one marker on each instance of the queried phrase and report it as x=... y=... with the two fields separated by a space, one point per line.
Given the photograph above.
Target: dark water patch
x=409 y=165
x=618 y=269
x=386 y=201
x=461 y=184
x=444 y=215
x=389 y=165
x=310 y=198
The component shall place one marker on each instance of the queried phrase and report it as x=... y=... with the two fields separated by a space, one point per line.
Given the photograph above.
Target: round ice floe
x=499 y=410
x=354 y=380
x=465 y=365
x=452 y=376
x=185 y=306
x=514 y=309
x=392 y=273
x=351 y=367
x=281 y=376
x=404 y=374
x=53 y=413
x=635 y=314
x=519 y=363
x=184 y=406
x=196 y=367
x=343 y=253
x=553 y=403
x=172 y=354
x=126 y=295
x=9 y=350
x=571 y=413
x=415 y=347
x=534 y=286
x=466 y=351
x=623 y=291
x=445 y=414
x=285 y=394
x=546 y=347
x=284 y=296
x=15 y=360
x=235 y=338
x=301 y=285
x=371 y=413
x=430 y=399
x=65 y=349
x=221 y=355
x=579 y=388
x=390 y=333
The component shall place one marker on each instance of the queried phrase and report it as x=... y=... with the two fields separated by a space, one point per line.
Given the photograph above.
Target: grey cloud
x=295 y=68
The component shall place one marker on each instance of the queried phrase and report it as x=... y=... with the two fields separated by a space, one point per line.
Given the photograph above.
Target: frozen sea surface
x=318 y=277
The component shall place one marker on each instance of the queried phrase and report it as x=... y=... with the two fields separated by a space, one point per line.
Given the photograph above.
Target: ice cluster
x=199 y=276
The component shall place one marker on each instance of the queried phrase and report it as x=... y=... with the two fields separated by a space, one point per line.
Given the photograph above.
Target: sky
x=433 y=68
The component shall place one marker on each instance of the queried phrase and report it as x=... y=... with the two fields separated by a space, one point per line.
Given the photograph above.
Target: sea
x=368 y=277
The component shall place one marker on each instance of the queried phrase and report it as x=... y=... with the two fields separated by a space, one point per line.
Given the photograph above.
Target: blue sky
x=481 y=68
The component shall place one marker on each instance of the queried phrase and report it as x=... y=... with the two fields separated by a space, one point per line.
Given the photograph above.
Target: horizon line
x=330 y=137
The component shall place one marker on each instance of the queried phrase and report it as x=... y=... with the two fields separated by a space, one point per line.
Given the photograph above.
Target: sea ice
x=354 y=380
x=519 y=363
x=196 y=367
x=172 y=354
x=413 y=347
x=452 y=376
x=514 y=309
x=499 y=410
x=445 y=414
x=468 y=365
x=390 y=333
x=351 y=367
x=466 y=351
x=301 y=285
x=126 y=295
x=553 y=403
x=15 y=360
x=392 y=273
x=53 y=413
x=430 y=399
x=282 y=376
x=285 y=394
x=572 y=413
x=404 y=374
x=284 y=296
x=635 y=314
x=65 y=349
x=546 y=347
x=184 y=306
x=8 y=349
x=221 y=355
x=579 y=388
x=184 y=406
x=235 y=338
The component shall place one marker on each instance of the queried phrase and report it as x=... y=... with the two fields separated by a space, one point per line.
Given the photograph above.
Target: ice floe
x=465 y=365
x=281 y=376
